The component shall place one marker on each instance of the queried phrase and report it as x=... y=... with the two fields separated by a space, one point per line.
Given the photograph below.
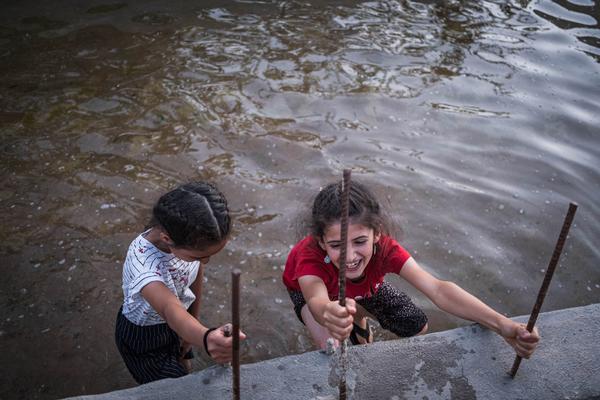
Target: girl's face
x=361 y=240
x=203 y=255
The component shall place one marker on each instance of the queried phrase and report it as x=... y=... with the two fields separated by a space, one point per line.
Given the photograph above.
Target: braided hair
x=363 y=208
x=194 y=215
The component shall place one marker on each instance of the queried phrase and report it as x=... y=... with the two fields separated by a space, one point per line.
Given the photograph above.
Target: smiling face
x=360 y=247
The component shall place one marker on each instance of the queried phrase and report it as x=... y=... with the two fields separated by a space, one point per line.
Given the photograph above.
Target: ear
x=376 y=237
x=321 y=243
x=166 y=238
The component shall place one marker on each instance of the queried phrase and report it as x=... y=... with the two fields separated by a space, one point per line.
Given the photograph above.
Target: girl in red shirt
x=311 y=277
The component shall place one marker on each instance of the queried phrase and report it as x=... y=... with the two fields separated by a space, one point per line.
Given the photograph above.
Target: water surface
x=475 y=122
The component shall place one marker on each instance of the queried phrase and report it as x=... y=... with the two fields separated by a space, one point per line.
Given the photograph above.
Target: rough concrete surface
x=465 y=363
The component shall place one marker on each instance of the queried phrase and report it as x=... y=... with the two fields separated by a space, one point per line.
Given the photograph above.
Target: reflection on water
x=475 y=122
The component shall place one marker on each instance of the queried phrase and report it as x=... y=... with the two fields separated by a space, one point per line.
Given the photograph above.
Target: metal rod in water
x=342 y=273
x=547 y=278
x=235 y=319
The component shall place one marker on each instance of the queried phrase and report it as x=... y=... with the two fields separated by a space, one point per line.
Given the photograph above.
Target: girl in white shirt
x=162 y=281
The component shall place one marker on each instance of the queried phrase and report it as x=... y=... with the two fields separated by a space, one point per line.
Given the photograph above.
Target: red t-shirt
x=307 y=258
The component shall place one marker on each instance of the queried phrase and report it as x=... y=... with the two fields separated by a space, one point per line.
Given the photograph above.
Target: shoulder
x=389 y=244
x=305 y=258
x=308 y=258
x=392 y=251
x=142 y=253
x=307 y=248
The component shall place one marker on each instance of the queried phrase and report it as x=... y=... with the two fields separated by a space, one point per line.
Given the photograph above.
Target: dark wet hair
x=363 y=208
x=194 y=215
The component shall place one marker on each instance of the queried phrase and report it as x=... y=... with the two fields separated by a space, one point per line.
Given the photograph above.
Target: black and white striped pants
x=150 y=352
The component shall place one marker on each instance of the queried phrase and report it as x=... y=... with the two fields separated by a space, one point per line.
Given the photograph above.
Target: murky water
x=476 y=123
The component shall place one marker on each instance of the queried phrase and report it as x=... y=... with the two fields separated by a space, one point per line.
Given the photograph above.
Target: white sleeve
x=140 y=270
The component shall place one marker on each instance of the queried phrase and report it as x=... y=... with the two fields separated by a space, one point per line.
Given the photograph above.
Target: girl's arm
x=451 y=298
x=194 y=309
x=337 y=319
x=168 y=306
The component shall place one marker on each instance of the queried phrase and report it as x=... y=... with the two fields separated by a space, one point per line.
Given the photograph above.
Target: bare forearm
x=317 y=309
x=186 y=326
x=455 y=300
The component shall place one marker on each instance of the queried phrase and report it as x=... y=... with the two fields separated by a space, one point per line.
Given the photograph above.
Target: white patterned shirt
x=145 y=263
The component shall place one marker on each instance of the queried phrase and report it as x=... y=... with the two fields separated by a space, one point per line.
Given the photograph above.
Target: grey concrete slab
x=464 y=363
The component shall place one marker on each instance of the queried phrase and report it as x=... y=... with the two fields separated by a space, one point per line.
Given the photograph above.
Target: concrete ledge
x=463 y=363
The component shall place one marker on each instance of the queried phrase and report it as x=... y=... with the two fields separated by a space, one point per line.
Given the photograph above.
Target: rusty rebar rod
x=547 y=278
x=342 y=274
x=235 y=320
